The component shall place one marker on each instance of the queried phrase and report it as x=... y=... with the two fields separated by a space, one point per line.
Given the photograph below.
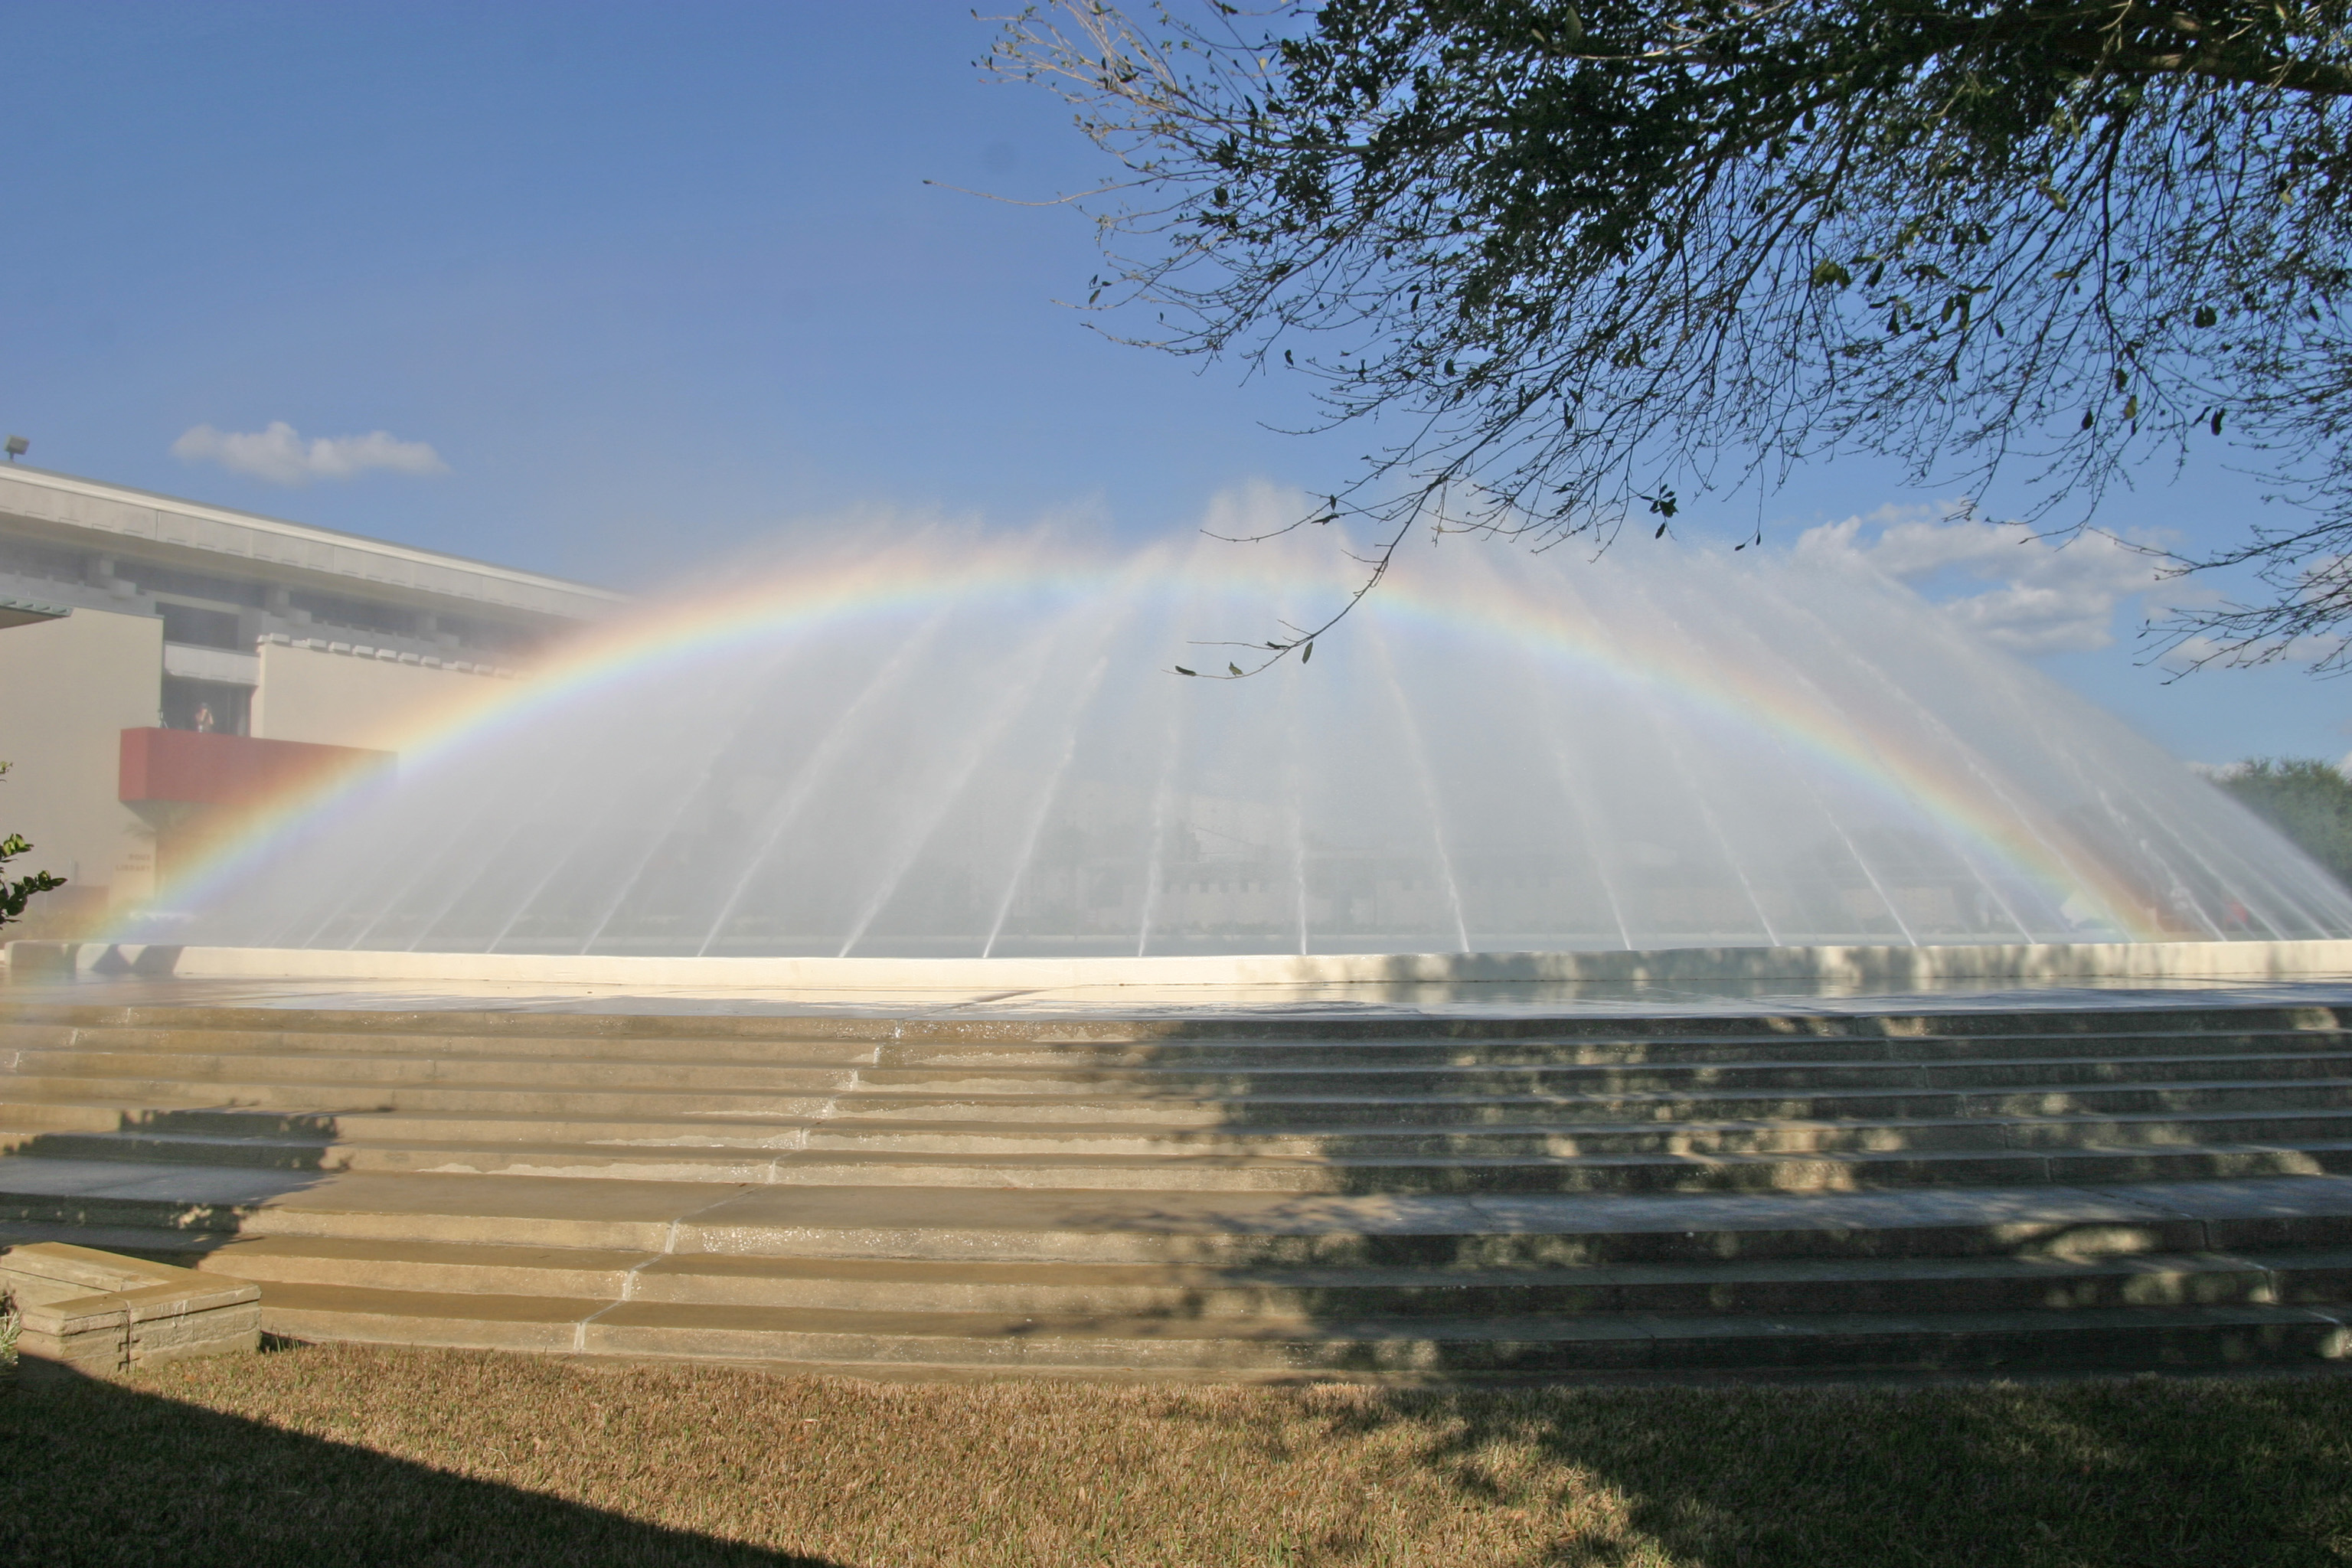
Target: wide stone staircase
x=1384 y=1197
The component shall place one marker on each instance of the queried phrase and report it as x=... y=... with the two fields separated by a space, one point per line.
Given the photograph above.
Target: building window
x=200 y=628
x=190 y=584
x=488 y=637
x=23 y=559
x=356 y=613
x=214 y=705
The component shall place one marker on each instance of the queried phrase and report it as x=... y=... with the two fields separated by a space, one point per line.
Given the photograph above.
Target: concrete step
x=240 y=1136
x=2320 y=1279
x=2317 y=1278
x=1245 y=1170
x=1524 y=1346
x=2192 y=1017
x=330 y=1098
x=1193 y=1055
x=21 y=1098
x=1215 y=1230
x=1271 y=1198
x=356 y=1071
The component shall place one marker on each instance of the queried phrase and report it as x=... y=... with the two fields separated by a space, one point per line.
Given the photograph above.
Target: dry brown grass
x=343 y=1453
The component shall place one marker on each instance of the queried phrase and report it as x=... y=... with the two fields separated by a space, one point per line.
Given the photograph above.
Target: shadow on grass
x=2154 y=1472
x=96 y=1472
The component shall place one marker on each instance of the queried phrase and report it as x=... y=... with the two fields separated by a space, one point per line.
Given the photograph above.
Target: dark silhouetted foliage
x=2307 y=799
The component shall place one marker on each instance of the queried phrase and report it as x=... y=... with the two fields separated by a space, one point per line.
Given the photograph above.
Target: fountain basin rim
x=2236 y=962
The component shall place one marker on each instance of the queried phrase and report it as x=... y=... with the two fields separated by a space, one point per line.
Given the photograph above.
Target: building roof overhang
x=97 y=515
x=30 y=612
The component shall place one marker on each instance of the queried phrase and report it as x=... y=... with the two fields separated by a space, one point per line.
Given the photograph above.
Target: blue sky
x=653 y=281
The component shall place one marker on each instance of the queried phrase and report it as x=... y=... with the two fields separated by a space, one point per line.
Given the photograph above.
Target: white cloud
x=1255 y=509
x=281 y=455
x=2040 y=596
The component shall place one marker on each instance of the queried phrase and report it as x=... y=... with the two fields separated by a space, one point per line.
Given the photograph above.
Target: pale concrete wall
x=67 y=691
x=1145 y=982
x=341 y=699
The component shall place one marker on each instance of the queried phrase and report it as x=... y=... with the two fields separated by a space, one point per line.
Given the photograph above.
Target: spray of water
x=990 y=752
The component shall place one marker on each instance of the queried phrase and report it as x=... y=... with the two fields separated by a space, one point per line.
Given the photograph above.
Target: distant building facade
x=166 y=666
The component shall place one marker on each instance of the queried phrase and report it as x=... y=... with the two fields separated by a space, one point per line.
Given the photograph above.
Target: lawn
x=320 y=1454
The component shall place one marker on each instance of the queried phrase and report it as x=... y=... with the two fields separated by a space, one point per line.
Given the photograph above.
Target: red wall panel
x=193 y=768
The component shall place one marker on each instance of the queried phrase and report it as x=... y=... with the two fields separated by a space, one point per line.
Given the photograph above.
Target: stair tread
x=970 y=1325
x=225 y=1259
x=1355 y=1068
x=1366 y=1057
x=847 y=1106
x=853 y=1155
x=702 y=1132
x=2169 y=1015
x=526 y=1195
x=1181 y=1169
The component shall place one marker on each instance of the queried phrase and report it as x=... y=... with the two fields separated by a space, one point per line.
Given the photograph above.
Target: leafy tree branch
x=1571 y=263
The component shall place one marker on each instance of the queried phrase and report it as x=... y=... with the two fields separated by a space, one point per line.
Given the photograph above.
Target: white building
x=167 y=667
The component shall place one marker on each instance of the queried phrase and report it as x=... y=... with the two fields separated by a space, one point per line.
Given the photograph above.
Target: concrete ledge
x=98 y=1312
x=34 y=961
x=1876 y=966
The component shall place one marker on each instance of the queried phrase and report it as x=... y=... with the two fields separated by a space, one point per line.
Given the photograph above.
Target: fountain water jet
x=786 y=809
x=1163 y=795
x=967 y=747
x=1046 y=799
x=1434 y=813
x=978 y=745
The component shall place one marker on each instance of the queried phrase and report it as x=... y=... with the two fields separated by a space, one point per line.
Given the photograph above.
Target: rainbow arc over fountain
x=969 y=747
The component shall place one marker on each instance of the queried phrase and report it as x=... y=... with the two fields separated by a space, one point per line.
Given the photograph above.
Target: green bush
x=15 y=895
x=2305 y=798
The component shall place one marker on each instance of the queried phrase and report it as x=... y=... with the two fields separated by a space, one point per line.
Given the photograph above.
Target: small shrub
x=15 y=895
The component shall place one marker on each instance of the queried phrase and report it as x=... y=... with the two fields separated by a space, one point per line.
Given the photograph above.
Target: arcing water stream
x=966 y=747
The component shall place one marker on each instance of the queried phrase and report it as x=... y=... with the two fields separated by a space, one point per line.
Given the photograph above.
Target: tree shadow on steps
x=259 y=1140
x=244 y=1157
x=98 y=1473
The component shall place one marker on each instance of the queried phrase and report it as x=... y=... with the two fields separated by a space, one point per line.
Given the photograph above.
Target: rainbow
x=910 y=580
x=2007 y=830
